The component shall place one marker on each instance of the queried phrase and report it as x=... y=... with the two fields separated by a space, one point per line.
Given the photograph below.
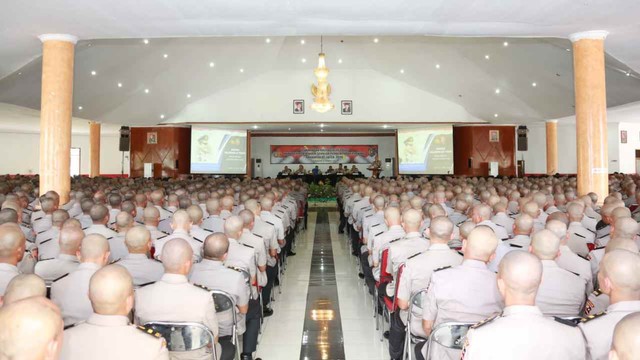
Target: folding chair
x=225 y=302
x=391 y=305
x=185 y=336
x=414 y=302
x=385 y=277
x=450 y=335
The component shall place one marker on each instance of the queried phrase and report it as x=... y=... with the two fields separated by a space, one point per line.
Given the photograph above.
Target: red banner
x=323 y=154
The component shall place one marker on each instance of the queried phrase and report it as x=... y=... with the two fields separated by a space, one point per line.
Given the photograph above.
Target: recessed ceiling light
x=385 y=126
x=534 y=84
x=241 y=70
x=79 y=107
x=146 y=91
x=401 y=71
x=487 y=57
x=321 y=125
x=162 y=116
x=302 y=42
x=376 y=40
x=495 y=115
x=211 y=64
x=289 y=129
x=267 y=40
x=188 y=96
x=437 y=66
x=165 y=56
x=303 y=60
x=505 y=44
x=94 y=73
x=568 y=49
x=339 y=61
x=497 y=91
x=628 y=73
x=119 y=84
x=20 y=73
x=255 y=126
x=321 y=130
x=145 y=41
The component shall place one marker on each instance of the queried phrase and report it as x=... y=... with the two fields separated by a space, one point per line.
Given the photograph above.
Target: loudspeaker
x=523 y=142
x=124 y=138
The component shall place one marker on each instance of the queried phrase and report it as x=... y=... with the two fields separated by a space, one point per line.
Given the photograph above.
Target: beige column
x=591 y=112
x=55 y=113
x=552 y=147
x=94 y=143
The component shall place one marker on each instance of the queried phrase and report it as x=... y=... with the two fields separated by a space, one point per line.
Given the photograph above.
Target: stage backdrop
x=323 y=154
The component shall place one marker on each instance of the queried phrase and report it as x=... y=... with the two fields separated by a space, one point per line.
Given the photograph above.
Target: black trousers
x=418 y=350
x=355 y=241
x=396 y=336
x=228 y=349
x=252 y=321
x=272 y=274
x=367 y=271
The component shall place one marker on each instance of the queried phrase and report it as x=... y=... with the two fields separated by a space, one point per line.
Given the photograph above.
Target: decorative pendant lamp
x=321 y=91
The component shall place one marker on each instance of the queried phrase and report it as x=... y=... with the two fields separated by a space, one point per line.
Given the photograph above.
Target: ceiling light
x=162 y=116
x=322 y=90
x=188 y=96
x=487 y=57
x=628 y=73
x=437 y=66
x=20 y=73
x=79 y=107
x=385 y=126
x=401 y=71
x=267 y=40
x=146 y=91
x=255 y=126
x=289 y=129
x=495 y=115
x=568 y=49
x=497 y=91
x=145 y=41
x=302 y=42
x=93 y=73
x=241 y=70
x=303 y=60
x=505 y=44
x=166 y=55
x=376 y=40
x=534 y=84
x=321 y=130
x=211 y=64
x=321 y=125
x=119 y=84
x=339 y=61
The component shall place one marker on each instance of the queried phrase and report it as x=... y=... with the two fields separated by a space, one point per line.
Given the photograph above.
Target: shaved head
x=248 y=218
x=625 y=227
x=195 y=214
x=520 y=273
x=138 y=239
x=622 y=244
x=124 y=220
x=177 y=257
x=626 y=338
x=252 y=205
x=70 y=240
x=523 y=224
x=481 y=244
x=99 y=213
x=24 y=286
x=181 y=220
x=58 y=217
x=12 y=243
x=440 y=230
x=216 y=246
x=545 y=245
x=411 y=220
x=233 y=227
x=111 y=291
x=558 y=228
x=30 y=329
x=94 y=248
x=151 y=213
x=620 y=273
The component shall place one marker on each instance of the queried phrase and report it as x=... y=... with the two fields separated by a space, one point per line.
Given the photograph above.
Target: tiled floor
x=282 y=337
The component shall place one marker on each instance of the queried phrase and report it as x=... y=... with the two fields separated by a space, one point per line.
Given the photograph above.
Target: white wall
x=260 y=148
x=20 y=139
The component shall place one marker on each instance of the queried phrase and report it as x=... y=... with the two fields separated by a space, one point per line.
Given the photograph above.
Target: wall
x=260 y=148
x=472 y=142
x=20 y=139
x=171 y=151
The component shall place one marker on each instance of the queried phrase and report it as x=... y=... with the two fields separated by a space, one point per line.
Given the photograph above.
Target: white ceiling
x=239 y=29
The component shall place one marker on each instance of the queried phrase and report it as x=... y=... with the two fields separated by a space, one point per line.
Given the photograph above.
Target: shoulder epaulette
x=368 y=216
x=574 y=273
x=44 y=241
x=69 y=326
x=61 y=277
x=115 y=261
x=149 y=283
x=600 y=248
x=36 y=219
x=270 y=223
x=260 y=236
x=460 y=253
x=285 y=206
x=198 y=240
x=277 y=217
x=565 y=321
x=597 y=292
x=484 y=322
x=378 y=233
x=414 y=255
x=85 y=228
x=201 y=287
x=149 y=331
x=281 y=211
x=235 y=268
x=591 y=317
x=46 y=259
x=249 y=246
x=207 y=230
x=500 y=225
x=167 y=210
x=109 y=238
x=578 y=235
x=582 y=257
x=442 y=268
x=394 y=240
x=516 y=246
x=375 y=225
x=164 y=232
x=162 y=237
x=42 y=232
x=603 y=236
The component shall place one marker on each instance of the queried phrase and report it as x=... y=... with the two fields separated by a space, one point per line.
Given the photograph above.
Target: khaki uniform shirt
x=142 y=269
x=276 y=222
x=117 y=248
x=568 y=260
x=42 y=224
x=561 y=293
x=598 y=329
x=520 y=240
x=257 y=244
x=214 y=275
x=173 y=298
x=107 y=337
x=199 y=234
x=100 y=229
x=49 y=248
x=381 y=242
x=71 y=293
x=51 y=269
x=155 y=233
x=502 y=219
x=523 y=333
x=242 y=256
x=196 y=245
x=596 y=303
x=579 y=237
x=7 y=272
x=268 y=234
x=213 y=223
x=400 y=250
x=500 y=231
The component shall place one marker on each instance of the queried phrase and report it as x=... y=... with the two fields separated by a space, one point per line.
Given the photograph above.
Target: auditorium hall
x=319 y=180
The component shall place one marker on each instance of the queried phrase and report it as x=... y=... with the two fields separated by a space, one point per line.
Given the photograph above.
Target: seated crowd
x=530 y=268
x=143 y=252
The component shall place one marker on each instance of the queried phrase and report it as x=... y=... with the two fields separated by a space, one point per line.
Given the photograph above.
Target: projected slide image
x=215 y=151
x=426 y=151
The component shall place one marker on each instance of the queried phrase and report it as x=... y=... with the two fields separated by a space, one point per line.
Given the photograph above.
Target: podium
x=375 y=171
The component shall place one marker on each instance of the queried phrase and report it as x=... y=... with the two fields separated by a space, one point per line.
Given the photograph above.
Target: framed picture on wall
x=623 y=136
x=152 y=138
x=346 y=107
x=298 y=106
x=494 y=135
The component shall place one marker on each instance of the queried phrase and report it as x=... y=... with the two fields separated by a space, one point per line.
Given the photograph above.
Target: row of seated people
x=340 y=170
x=531 y=270
x=214 y=266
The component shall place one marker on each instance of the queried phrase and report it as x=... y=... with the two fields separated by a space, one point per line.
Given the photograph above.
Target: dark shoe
x=361 y=275
x=291 y=253
x=266 y=312
x=386 y=335
x=245 y=356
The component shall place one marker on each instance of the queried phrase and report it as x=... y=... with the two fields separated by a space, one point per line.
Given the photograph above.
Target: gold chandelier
x=321 y=91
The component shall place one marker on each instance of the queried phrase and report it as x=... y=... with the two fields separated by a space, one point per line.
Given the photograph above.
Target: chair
x=185 y=336
x=415 y=301
x=225 y=302
x=385 y=277
x=450 y=335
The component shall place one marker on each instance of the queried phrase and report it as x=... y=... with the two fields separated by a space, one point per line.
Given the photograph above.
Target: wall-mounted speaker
x=124 y=138
x=523 y=142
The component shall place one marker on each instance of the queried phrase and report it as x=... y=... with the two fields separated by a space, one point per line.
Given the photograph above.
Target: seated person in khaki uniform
x=23 y=286
x=626 y=339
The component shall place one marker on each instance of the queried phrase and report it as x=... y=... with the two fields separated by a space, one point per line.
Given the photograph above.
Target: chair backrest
x=183 y=336
x=223 y=300
x=384 y=259
x=395 y=295
x=450 y=334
